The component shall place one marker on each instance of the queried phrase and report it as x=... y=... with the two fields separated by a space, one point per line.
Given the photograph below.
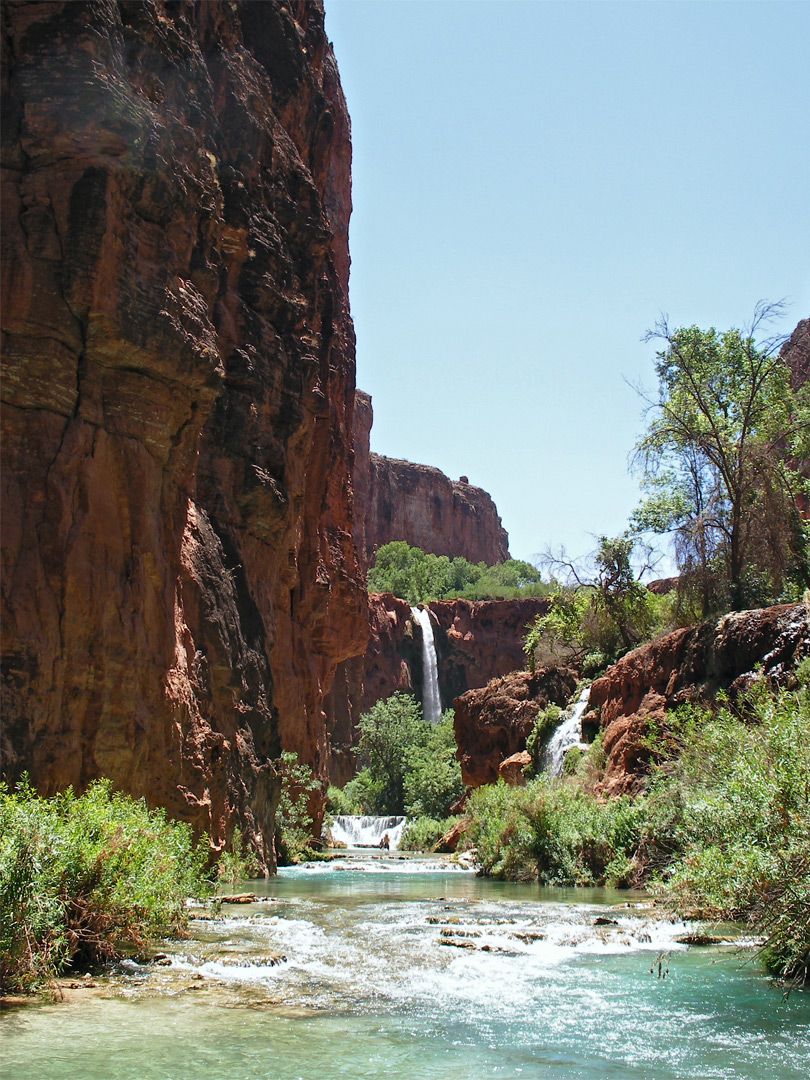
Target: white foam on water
x=367 y=832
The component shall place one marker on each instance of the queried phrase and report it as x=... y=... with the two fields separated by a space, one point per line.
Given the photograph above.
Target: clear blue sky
x=534 y=183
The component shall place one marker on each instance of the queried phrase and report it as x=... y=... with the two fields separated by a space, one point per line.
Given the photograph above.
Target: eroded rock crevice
x=177 y=390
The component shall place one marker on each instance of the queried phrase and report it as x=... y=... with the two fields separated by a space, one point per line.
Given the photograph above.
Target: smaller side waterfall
x=431 y=699
x=367 y=831
x=568 y=734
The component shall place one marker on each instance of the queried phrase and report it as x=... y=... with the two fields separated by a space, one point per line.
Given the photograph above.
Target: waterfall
x=367 y=831
x=431 y=700
x=568 y=734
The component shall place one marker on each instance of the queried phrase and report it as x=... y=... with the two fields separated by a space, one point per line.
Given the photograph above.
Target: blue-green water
x=396 y=969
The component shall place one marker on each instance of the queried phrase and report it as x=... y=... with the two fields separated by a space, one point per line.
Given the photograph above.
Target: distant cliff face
x=179 y=575
x=796 y=353
x=420 y=504
x=475 y=641
x=398 y=500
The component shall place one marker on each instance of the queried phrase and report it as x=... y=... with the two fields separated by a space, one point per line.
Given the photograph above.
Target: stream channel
x=412 y=969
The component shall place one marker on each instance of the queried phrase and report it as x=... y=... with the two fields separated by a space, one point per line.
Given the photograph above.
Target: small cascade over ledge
x=567 y=735
x=431 y=698
x=367 y=831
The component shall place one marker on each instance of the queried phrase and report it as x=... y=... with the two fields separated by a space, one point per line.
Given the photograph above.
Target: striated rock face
x=691 y=664
x=391 y=657
x=478 y=640
x=421 y=505
x=796 y=353
x=492 y=724
x=179 y=576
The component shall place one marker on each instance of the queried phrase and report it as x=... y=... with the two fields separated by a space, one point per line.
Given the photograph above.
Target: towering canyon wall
x=419 y=504
x=179 y=576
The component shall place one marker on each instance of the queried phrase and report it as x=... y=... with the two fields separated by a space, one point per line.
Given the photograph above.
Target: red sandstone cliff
x=417 y=503
x=420 y=504
x=691 y=664
x=796 y=354
x=493 y=723
x=179 y=577
x=475 y=641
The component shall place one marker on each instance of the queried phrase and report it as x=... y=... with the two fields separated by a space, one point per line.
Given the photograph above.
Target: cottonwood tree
x=718 y=462
x=599 y=611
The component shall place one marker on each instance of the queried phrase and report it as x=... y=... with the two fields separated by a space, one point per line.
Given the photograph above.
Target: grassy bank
x=723 y=831
x=86 y=879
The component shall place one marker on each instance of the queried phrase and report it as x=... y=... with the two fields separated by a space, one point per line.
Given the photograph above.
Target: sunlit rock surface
x=493 y=723
x=475 y=641
x=692 y=664
x=179 y=576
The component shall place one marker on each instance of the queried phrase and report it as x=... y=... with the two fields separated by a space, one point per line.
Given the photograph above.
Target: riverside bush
x=424 y=833
x=555 y=832
x=293 y=819
x=723 y=832
x=84 y=879
x=728 y=820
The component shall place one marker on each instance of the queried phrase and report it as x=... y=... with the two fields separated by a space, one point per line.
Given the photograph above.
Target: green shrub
x=554 y=832
x=84 y=879
x=500 y=831
x=424 y=833
x=341 y=801
x=410 y=765
x=433 y=776
x=572 y=760
x=547 y=722
x=293 y=819
x=418 y=576
x=364 y=795
x=728 y=819
x=238 y=862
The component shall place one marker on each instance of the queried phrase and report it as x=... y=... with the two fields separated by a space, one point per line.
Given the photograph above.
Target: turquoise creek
x=415 y=970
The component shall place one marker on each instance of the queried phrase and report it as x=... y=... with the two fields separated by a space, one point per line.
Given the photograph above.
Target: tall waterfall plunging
x=568 y=734
x=431 y=699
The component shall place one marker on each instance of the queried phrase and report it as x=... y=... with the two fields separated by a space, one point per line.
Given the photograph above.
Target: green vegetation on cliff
x=85 y=879
x=418 y=576
x=598 y=616
x=723 y=831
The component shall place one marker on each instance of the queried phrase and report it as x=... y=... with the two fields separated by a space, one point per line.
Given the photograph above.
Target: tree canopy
x=418 y=576
x=718 y=463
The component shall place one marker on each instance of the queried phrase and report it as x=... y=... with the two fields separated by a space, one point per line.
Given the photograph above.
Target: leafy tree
x=717 y=459
x=410 y=573
x=410 y=765
x=391 y=732
x=293 y=819
x=433 y=778
x=597 y=616
x=418 y=576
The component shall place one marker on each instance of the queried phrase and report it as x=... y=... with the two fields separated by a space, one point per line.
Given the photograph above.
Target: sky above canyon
x=534 y=184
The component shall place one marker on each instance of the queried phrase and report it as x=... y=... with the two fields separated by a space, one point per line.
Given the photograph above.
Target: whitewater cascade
x=568 y=734
x=367 y=831
x=431 y=700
